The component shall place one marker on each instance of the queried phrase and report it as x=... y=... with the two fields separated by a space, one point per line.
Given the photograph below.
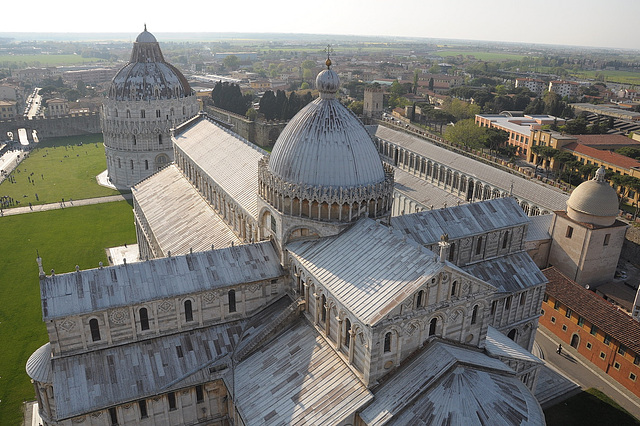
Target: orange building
x=604 y=335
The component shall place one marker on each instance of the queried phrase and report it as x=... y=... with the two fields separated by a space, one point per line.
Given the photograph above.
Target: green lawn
x=59 y=168
x=64 y=238
x=591 y=407
x=624 y=77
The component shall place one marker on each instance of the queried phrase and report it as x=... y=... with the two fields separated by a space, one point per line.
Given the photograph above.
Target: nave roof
x=133 y=283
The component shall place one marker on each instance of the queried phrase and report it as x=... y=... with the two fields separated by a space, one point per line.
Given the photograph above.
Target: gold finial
x=329 y=51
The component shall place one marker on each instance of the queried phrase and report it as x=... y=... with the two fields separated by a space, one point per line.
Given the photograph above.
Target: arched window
x=454 y=288
x=142 y=113
x=324 y=308
x=232 y=300
x=188 y=311
x=513 y=334
x=160 y=139
x=128 y=114
x=347 y=332
x=387 y=342
x=95 y=329
x=144 y=319
x=419 y=299
x=505 y=240
x=115 y=114
x=432 y=326
x=479 y=246
x=452 y=250
x=474 y=314
x=134 y=140
x=146 y=164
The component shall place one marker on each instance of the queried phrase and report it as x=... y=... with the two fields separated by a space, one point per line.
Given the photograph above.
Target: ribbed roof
x=326 y=145
x=147 y=75
x=595 y=197
x=39 y=364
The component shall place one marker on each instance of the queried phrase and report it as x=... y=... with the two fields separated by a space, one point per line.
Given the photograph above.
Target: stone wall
x=68 y=125
x=631 y=246
x=258 y=132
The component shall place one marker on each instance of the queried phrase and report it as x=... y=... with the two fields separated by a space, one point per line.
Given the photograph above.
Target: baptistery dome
x=594 y=201
x=326 y=145
x=147 y=76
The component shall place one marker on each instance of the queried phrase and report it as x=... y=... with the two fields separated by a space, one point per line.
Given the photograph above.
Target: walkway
x=61 y=205
x=580 y=370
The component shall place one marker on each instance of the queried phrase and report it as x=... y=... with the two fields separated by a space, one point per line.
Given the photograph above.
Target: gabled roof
x=461 y=221
x=511 y=273
x=297 y=379
x=102 y=288
x=602 y=155
x=447 y=384
x=180 y=219
x=369 y=268
x=422 y=191
x=594 y=309
x=230 y=160
x=94 y=380
x=499 y=345
x=549 y=198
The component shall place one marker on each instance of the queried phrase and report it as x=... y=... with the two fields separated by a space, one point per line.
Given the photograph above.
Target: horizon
x=567 y=23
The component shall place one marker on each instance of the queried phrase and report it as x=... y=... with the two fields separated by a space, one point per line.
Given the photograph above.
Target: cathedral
x=278 y=289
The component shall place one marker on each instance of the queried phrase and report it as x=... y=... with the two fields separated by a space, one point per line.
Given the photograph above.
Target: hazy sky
x=611 y=23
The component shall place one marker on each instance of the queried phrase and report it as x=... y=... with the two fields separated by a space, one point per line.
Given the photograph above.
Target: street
x=577 y=368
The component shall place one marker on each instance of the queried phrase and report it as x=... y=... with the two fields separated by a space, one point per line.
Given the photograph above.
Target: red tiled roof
x=594 y=309
x=602 y=155
x=595 y=140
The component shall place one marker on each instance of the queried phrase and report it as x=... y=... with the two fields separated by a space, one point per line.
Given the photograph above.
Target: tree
x=252 y=114
x=304 y=85
x=231 y=62
x=563 y=159
x=431 y=84
x=267 y=105
x=495 y=138
x=629 y=151
x=465 y=132
x=356 y=107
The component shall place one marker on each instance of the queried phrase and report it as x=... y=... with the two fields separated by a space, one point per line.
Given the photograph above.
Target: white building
x=147 y=98
x=279 y=290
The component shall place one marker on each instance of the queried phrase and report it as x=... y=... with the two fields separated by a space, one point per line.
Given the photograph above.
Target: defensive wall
x=52 y=127
x=262 y=133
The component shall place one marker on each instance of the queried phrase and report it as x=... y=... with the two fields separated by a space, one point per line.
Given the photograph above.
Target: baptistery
x=146 y=99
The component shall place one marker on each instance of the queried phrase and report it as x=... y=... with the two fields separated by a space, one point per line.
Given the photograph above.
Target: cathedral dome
x=147 y=76
x=326 y=145
x=594 y=201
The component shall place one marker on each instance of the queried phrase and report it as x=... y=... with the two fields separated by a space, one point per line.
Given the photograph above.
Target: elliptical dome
x=147 y=76
x=325 y=144
x=594 y=201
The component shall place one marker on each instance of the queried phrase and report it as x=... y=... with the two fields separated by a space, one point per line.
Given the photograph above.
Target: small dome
x=594 y=201
x=147 y=76
x=326 y=145
x=146 y=37
x=39 y=364
x=327 y=82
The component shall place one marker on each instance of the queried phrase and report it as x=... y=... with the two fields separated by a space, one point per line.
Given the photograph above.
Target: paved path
x=578 y=369
x=66 y=204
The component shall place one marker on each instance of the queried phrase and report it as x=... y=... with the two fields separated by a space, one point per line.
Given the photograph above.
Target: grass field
x=624 y=77
x=64 y=238
x=57 y=169
x=45 y=60
x=591 y=407
x=482 y=56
